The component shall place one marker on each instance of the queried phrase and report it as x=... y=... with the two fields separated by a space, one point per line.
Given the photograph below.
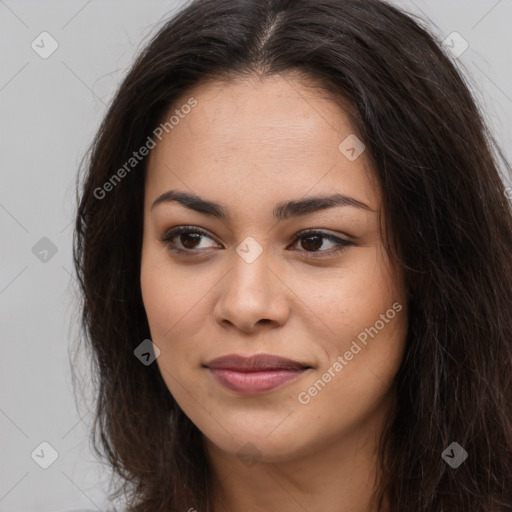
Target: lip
x=256 y=374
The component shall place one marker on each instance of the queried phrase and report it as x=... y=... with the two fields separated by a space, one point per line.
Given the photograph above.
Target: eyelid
x=343 y=243
x=173 y=232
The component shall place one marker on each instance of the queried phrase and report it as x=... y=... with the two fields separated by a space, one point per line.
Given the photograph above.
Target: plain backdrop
x=50 y=109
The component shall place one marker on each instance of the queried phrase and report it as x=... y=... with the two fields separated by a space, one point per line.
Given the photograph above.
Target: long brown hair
x=449 y=224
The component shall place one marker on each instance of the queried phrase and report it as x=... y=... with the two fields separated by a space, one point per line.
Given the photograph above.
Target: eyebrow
x=282 y=211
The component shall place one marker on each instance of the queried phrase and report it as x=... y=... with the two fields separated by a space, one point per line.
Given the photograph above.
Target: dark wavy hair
x=449 y=226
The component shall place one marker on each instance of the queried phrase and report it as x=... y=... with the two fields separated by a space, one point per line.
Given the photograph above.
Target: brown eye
x=311 y=243
x=189 y=240
x=185 y=239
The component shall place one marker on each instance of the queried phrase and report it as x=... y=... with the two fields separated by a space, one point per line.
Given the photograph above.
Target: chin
x=261 y=443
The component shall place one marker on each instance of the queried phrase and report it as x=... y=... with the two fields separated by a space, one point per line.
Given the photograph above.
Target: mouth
x=253 y=375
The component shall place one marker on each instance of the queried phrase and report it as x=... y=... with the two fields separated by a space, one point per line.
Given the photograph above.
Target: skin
x=250 y=145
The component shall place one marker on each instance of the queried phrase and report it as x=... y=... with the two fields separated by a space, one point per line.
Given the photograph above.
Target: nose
x=252 y=296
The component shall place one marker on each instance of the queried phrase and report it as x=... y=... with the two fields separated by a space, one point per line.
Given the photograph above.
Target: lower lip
x=254 y=383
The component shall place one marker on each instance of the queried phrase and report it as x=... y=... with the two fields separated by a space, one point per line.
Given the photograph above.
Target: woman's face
x=251 y=283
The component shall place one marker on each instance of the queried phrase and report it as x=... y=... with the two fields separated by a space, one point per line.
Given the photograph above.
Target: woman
x=294 y=248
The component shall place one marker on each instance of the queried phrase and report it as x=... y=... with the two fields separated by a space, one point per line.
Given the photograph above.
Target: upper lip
x=257 y=362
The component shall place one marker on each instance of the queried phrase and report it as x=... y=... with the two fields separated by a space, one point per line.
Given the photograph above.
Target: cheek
x=351 y=298
x=172 y=298
x=166 y=311
x=359 y=366
x=169 y=294
x=364 y=309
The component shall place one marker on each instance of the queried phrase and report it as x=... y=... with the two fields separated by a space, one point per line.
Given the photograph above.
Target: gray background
x=51 y=109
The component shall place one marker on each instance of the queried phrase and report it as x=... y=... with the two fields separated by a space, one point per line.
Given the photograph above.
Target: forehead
x=251 y=137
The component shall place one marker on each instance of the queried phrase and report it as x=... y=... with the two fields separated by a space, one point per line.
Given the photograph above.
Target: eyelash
x=172 y=233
